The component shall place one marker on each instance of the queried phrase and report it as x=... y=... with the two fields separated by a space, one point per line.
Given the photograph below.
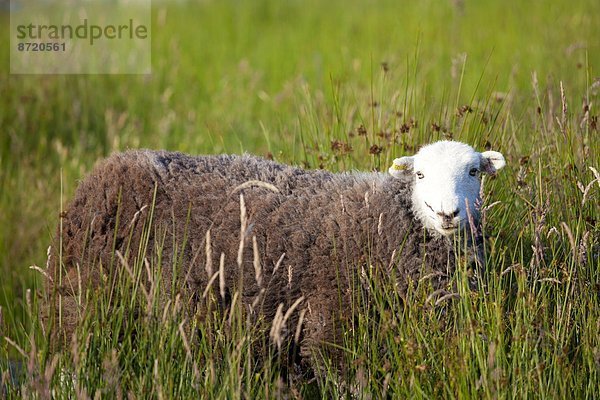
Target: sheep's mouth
x=448 y=230
x=451 y=228
x=445 y=229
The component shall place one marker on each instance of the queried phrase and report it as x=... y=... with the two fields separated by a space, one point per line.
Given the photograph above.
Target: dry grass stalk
x=445 y=297
x=392 y=260
x=79 y=287
x=257 y=267
x=135 y=216
x=571 y=239
x=208 y=267
x=166 y=311
x=553 y=280
x=48 y=256
x=586 y=190
x=435 y=294
x=489 y=207
x=256 y=300
x=28 y=301
x=342 y=203
x=292 y=308
x=46 y=379
x=125 y=265
x=243 y=224
x=188 y=353
x=222 y=275
x=563 y=118
x=299 y=326
x=157 y=385
x=177 y=306
x=364 y=277
x=41 y=271
x=210 y=283
x=280 y=320
x=153 y=287
x=431 y=275
x=236 y=296
x=4 y=379
x=16 y=346
x=251 y=183
x=274 y=333
x=596 y=175
x=583 y=248
x=278 y=263
x=507 y=270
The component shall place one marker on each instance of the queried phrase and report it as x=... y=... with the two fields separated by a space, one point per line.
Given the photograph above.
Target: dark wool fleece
x=328 y=225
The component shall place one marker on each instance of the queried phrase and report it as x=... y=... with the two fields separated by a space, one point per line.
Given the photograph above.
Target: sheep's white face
x=447 y=180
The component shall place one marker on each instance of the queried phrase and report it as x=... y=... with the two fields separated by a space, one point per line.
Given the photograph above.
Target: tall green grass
x=340 y=86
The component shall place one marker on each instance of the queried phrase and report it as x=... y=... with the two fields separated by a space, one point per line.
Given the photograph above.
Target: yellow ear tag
x=398 y=167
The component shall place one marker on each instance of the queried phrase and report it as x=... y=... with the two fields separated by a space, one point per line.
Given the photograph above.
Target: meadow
x=337 y=85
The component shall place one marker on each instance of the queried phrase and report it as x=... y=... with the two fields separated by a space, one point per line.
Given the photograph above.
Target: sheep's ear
x=402 y=167
x=492 y=161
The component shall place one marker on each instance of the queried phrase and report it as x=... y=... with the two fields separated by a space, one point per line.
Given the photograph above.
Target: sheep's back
x=324 y=225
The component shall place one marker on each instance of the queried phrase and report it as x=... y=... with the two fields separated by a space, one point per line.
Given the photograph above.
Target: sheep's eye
x=420 y=175
x=473 y=171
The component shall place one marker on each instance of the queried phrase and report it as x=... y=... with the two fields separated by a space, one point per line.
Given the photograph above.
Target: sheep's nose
x=448 y=217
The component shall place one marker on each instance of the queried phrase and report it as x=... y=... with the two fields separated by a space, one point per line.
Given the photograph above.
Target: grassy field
x=337 y=85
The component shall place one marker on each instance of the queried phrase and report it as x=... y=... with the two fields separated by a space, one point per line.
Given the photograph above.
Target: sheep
x=295 y=237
